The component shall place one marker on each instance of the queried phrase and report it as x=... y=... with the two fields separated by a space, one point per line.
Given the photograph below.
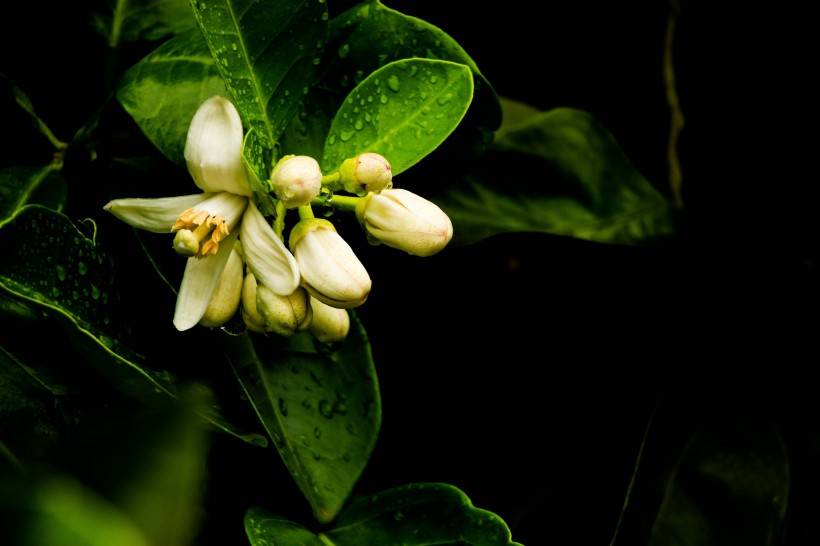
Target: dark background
x=524 y=369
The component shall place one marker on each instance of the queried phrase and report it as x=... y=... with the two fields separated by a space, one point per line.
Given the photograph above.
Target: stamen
x=209 y=223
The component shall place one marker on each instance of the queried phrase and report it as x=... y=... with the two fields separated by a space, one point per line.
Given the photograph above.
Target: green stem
x=344 y=202
x=305 y=212
x=279 y=222
x=331 y=181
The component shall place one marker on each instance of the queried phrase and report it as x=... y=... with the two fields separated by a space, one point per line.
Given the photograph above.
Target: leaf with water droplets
x=144 y=20
x=321 y=408
x=58 y=267
x=266 y=52
x=413 y=515
x=412 y=106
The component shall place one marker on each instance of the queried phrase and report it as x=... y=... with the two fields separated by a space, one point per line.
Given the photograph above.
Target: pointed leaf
x=322 y=409
x=268 y=53
x=163 y=90
x=413 y=515
x=402 y=111
x=560 y=172
x=51 y=263
x=20 y=186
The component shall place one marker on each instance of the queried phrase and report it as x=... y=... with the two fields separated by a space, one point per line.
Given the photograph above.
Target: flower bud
x=296 y=180
x=403 y=220
x=329 y=324
x=284 y=315
x=226 y=297
x=365 y=173
x=250 y=315
x=213 y=148
x=331 y=272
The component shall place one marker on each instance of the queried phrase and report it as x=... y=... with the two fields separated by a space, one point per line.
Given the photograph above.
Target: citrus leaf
x=20 y=186
x=143 y=20
x=403 y=111
x=322 y=409
x=413 y=515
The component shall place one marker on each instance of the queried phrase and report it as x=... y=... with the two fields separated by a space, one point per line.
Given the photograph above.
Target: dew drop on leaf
x=283 y=407
x=326 y=409
x=383 y=99
x=82 y=268
x=317 y=433
x=61 y=272
x=393 y=84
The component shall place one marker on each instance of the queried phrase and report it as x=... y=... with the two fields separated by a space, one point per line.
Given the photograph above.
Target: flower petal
x=155 y=215
x=199 y=283
x=266 y=255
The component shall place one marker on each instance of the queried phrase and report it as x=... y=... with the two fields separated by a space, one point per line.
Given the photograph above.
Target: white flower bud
x=403 y=220
x=226 y=297
x=296 y=180
x=331 y=272
x=213 y=148
x=365 y=173
x=284 y=315
x=253 y=320
x=329 y=324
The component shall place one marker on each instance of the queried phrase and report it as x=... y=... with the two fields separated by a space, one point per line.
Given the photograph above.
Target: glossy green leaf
x=21 y=186
x=413 y=515
x=560 y=172
x=163 y=90
x=52 y=263
x=403 y=111
x=143 y=20
x=322 y=409
x=268 y=53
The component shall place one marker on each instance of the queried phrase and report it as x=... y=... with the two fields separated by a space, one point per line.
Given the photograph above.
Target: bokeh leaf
x=322 y=409
x=130 y=21
x=403 y=111
x=21 y=186
x=560 y=172
x=412 y=515
x=163 y=90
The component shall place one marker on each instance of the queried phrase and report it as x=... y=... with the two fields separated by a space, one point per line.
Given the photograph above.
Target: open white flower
x=206 y=224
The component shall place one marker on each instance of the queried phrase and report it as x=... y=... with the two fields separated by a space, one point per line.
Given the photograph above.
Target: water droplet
x=358 y=125
x=306 y=404
x=326 y=409
x=75 y=295
x=393 y=83
x=61 y=272
x=343 y=51
x=433 y=78
x=234 y=47
x=398 y=516
x=283 y=407
x=325 y=16
x=339 y=407
x=317 y=433
x=346 y=135
x=82 y=268
x=331 y=139
x=383 y=99
x=55 y=291
x=444 y=99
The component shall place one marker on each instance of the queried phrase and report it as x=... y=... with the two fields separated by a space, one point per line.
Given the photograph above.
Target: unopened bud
x=226 y=297
x=403 y=220
x=367 y=172
x=296 y=180
x=284 y=315
x=331 y=272
x=329 y=324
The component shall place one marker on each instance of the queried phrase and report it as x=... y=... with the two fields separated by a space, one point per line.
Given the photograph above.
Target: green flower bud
x=296 y=180
x=284 y=315
x=331 y=272
x=403 y=220
x=213 y=148
x=250 y=315
x=367 y=172
x=226 y=297
x=329 y=324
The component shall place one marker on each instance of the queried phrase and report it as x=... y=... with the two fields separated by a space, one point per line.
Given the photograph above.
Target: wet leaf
x=144 y=20
x=21 y=186
x=321 y=408
x=413 y=515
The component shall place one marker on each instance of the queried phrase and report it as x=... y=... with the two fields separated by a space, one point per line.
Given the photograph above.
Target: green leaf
x=21 y=186
x=412 y=515
x=402 y=111
x=50 y=262
x=322 y=409
x=268 y=53
x=131 y=21
x=560 y=172
x=163 y=91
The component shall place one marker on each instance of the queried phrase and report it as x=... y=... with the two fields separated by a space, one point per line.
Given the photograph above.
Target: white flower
x=365 y=173
x=406 y=221
x=206 y=224
x=296 y=180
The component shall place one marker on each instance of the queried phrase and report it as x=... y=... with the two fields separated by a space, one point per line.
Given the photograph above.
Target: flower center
x=200 y=229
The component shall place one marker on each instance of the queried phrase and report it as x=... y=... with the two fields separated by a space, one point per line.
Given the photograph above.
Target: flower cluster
x=237 y=260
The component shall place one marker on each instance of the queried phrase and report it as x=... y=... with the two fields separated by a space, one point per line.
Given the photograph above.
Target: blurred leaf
x=21 y=186
x=561 y=173
x=49 y=262
x=412 y=515
x=721 y=479
x=163 y=91
x=133 y=20
x=403 y=111
x=267 y=53
x=322 y=409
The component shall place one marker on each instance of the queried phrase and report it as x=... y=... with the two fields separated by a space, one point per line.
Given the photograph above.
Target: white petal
x=266 y=255
x=155 y=215
x=199 y=283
